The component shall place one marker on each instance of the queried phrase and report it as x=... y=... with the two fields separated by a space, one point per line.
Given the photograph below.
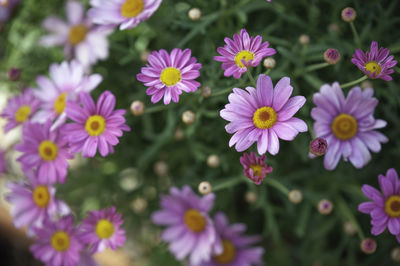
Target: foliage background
x=292 y=234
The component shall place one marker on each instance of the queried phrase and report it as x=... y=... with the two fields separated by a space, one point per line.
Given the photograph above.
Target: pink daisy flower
x=263 y=115
x=66 y=81
x=241 y=53
x=102 y=229
x=6 y=9
x=126 y=13
x=20 y=109
x=56 y=243
x=167 y=75
x=44 y=150
x=33 y=202
x=94 y=126
x=383 y=209
x=375 y=63
x=255 y=167
x=80 y=38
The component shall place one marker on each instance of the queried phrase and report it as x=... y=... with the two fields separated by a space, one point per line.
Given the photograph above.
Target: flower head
x=20 y=109
x=33 y=202
x=57 y=243
x=126 y=13
x=255 y=167
x=95 y=126
x=318 y=146
x=237 y=249
x=6 y=8
x=190 y=231
x=44 y=150
x=384 y=209
x=241 y=53
x=167 y=75
x=375 y=63
x=102 y=229
x=80 y=38
x=349 y=14
x=331 y=56
x=347 y=124
x=368 y=246
x=66 y=81
x=263 y=115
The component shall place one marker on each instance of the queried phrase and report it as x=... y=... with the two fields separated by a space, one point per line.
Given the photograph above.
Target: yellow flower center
x=373 y=67
x=48 y=150
x=60 y=241
x=195 y=221
x=344 y=126
x=95 y=125
x=264 y=117
x=246 y=55
x=4 y=3
x=257 y=169
x=41 y=196
x=59 y=103
x=170 y=76
x=228 y=254
x=77 y=34
x=22 y=114
x=104 y=229
x=392 y=206
x=132 y=8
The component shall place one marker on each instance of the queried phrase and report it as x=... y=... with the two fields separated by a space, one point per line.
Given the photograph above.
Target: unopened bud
x=318 y=146
x=332 y=56
x=395 y=254
x=349 y=14
x=366 y=84
x=144 y=54
x=295 y=196
x=14 y=74
x=139 y=205
x=325 y=207
x=349 y=228
x=161 y=168
x=179 y=134
x=205 y=188
x=334 y=27
x=206 y=91
x=250 y=197
x=269 y=63
x=213 y=161
x=194 y=14
x=188 y=117
x=304 y=39
x=368 y=246
x=137 y=108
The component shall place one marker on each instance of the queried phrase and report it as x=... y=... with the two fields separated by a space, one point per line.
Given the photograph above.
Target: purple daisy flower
x=95 y=126
x=384 y=209
x=102 y=229
x=190 y=231
x=263 y=115
x=44 y=150
x=20 y=109
x=80 y=38
x=255 y=167
x=33 y=202
x=57 y=243
x=236 y=247
x=86 y=259
x=126 y=13
x=169 y=74
x=3 y=162
x=242 y=52
x=66 y=81
x=375 y=63
x=347 y=125
x=6 y=8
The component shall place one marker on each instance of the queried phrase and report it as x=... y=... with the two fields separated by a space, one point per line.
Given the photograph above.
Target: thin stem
x=274 y=183
x=352 y=83
x=252 y=80
x=344 y=209
x=156 y=109
x=316 y=66
x=229 y=182
x=355 y=33
x=267 y=72
x=221 y=92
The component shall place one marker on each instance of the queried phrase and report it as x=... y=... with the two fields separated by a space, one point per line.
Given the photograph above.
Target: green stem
x=344 y=209
x=156 y=109
x=274 y=183
x=316 y=66
x=356 y=37
x=252 y=80
x=229 y=183
x=349 y=84
x=267 y=72
x=221 y=92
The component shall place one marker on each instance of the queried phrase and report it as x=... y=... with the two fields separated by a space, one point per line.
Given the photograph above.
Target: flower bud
x=395 y=254
x=250 y=197
x=206 y=91
x=349 y=228
x=332 y=56
x=194 y=14
x=334 y=27
x=366 y=84
x=144 y=54
x=368 y=246
x=213 y=161
x=139 y=205
x=179 y=134
x=188 y=117
x=304 y=39
x=349 y=14
x=14 y=74
x=325 y=207
x=318 y=146
x=295 y=196
x=205 y=188
x=161 y=168
x=137 y=108
x=269 y=63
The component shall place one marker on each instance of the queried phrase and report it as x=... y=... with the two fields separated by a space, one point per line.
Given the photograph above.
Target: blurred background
x=162 y=151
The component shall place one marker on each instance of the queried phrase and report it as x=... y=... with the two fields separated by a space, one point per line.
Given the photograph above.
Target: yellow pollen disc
x=104 y=229
x=170 y=76
x=132 y=8
x=246 y=55
x=60 y=241
x=77 y=34
x=344 y=126
x=392 y=206
x=257 y=169
x=95 y=125
x=4 y=3
x=228 y=254
x=373 y=67
x=59 y=103
x=41 y=196
x=48 y=150
x=195 y=221
x=264 y=117
x=22 y=114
